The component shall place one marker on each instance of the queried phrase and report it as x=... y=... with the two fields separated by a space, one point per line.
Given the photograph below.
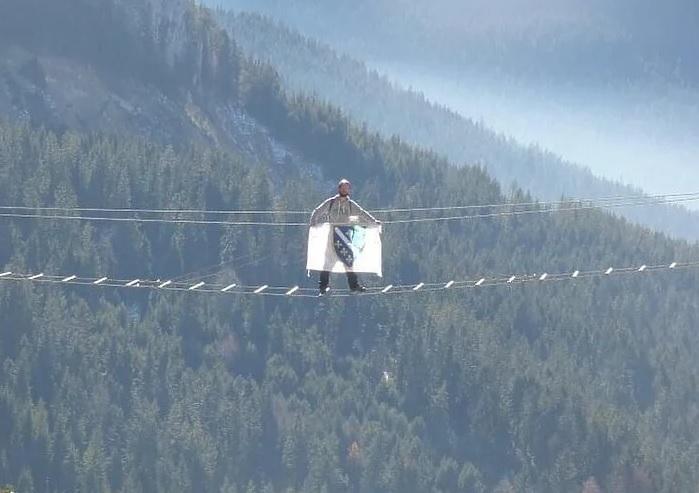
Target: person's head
x=344 y=187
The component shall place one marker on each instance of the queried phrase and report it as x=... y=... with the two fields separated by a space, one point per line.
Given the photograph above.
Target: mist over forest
x=611 y=86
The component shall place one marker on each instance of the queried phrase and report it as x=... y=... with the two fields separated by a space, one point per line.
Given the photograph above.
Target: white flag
x=344 y=248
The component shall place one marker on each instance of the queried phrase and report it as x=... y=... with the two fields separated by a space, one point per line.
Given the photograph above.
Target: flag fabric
x=343 y=248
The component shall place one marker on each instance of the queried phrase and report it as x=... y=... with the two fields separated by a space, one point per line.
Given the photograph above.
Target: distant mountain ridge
x=594 y=41
x=310 y=66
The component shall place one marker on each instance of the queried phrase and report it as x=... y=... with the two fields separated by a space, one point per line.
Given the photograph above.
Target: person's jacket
x=337 y=210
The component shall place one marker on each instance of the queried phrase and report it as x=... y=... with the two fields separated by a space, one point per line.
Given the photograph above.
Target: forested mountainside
x=575 y=386
x=114 y=66
x=312 y=67
x=600 y=43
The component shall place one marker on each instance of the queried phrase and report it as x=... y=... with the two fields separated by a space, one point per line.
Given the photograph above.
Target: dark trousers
x=324 y=281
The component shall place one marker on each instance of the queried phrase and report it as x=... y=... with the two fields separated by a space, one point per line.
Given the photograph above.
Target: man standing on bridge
x=348 y=221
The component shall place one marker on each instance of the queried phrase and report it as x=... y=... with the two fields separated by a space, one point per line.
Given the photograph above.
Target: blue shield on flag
x=348 y=242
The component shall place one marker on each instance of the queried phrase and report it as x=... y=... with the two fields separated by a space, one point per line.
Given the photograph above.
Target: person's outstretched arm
x=320 y=213
x=364 y=216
